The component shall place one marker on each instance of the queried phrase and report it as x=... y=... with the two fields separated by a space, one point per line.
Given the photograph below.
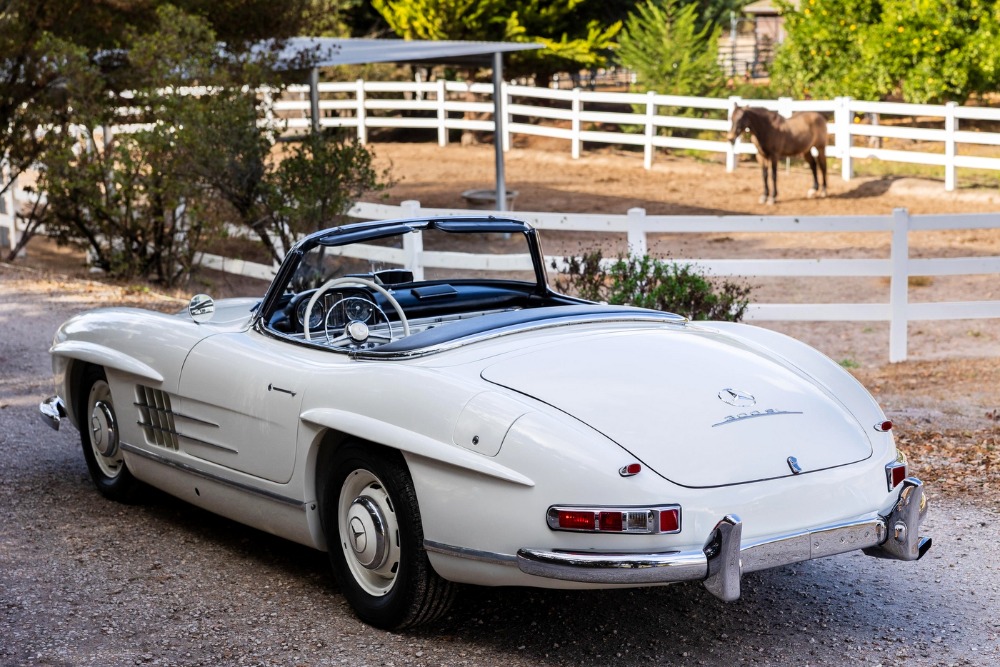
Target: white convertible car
x=429 y=430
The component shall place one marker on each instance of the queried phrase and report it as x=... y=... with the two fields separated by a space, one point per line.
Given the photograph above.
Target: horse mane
x=758 y=114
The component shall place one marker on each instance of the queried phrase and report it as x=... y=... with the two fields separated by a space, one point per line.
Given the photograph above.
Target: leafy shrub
x=652 y=283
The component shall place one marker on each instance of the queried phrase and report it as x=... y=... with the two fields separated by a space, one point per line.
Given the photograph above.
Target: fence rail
x=583 y=117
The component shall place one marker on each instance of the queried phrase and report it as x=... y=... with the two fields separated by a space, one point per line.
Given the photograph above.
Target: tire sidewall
x=122 y=487
x=392 y=610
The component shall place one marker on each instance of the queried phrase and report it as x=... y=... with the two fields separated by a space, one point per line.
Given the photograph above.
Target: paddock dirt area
x=943 y=399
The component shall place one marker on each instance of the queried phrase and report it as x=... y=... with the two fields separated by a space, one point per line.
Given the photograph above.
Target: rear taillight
x=632 y=520
x=895 y=472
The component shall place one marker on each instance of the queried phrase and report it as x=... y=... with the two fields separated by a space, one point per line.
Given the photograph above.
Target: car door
x=241 y=395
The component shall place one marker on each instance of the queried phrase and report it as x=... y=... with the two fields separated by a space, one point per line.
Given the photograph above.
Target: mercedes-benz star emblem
x=736 y=398
x=358 y=535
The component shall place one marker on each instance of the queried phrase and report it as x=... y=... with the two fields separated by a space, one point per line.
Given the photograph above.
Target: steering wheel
x=350 y=280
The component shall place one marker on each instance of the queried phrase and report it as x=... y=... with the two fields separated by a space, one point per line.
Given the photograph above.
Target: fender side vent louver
x=155 y=417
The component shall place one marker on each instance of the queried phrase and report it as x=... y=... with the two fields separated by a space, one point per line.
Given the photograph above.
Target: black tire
x=99 y=437
x=375 y=540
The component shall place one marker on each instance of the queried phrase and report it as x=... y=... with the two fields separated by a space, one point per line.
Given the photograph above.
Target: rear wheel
x=99 y=436
x=375 y=538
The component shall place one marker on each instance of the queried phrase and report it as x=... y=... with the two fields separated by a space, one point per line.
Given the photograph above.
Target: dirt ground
x=944 y=397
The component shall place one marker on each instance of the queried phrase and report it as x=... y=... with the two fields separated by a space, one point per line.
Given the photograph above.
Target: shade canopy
x=308 y=52
x=313 y=53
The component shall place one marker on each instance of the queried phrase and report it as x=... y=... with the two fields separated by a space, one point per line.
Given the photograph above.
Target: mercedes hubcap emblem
x=358 y=537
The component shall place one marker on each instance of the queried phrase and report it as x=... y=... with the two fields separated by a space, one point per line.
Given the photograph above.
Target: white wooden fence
x=570 y=115
x=636 y=225
x=583 y=116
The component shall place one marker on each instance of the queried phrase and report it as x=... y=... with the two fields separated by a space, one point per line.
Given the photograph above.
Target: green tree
x=569 y=41
x=128 y=199
x=918 y=51
x=664 y=45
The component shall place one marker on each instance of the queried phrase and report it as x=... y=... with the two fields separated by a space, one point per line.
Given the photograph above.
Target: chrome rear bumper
x=724 y=558
x=52 y=410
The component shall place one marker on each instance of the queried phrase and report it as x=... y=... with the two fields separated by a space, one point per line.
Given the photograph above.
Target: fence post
x=361 y=113
x=636 y=218
x=505 y=126
x=950 y=127
x=785 y=107
x=442 y=114
x=899 y=284
x=576 y=107
x=731 y=156
x=413 y=244
x=650 y=130
x=8 y=205
x=842 y=116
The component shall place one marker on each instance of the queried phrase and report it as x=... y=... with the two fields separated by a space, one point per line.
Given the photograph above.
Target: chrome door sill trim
x=240 y=486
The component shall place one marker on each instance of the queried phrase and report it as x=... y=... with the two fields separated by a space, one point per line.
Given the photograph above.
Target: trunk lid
x=701 y=408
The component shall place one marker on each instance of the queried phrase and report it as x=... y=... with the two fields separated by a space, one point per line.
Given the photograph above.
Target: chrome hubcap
x=369 y=532
x=104 y=433
x=104 y=430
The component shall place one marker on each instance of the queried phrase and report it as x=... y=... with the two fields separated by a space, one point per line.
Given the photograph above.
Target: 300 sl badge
x=730 y=419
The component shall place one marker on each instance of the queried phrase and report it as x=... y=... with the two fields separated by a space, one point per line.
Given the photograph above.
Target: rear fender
x=410 y=442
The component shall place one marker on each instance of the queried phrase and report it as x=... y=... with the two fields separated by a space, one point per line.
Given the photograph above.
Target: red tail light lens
x=611 y=522
x=632 y=520
x=670 y=520
x=576 y=520
x=896 y=472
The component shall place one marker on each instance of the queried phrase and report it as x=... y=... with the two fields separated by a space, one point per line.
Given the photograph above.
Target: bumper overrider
x=723 y=560
x=53 y=411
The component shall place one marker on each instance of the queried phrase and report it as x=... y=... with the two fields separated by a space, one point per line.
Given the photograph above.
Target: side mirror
x=201 y=308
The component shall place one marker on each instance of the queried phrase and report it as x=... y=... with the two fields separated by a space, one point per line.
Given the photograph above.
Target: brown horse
x=775 y=138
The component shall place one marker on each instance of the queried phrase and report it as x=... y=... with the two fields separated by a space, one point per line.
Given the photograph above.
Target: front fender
x=100 y=355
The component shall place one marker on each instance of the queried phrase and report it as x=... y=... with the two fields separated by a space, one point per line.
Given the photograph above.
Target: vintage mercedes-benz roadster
x=431 y=427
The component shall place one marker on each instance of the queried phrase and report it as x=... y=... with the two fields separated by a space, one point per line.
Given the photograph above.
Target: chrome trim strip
x=175 y=414
x=732 y=419
x=471 y=554
x=239 y=486
x=160 y=429
x=375 y=355
x=52 y=411
x=214 y=445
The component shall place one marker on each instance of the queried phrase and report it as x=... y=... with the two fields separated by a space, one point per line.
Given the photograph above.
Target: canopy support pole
x=314 y=98
x=498 y=130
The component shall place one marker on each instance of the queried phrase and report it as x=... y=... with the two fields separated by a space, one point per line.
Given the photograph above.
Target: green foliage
x=143 y=203
x=651 y=283
x=670 y=54
x=318 y=182
x=918 y=51
x=130 y=199
x=569 y=41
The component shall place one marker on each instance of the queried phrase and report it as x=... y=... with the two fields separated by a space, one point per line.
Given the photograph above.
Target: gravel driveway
x=84 y=581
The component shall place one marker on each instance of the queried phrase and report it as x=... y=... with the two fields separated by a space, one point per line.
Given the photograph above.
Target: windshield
x=430 y=254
